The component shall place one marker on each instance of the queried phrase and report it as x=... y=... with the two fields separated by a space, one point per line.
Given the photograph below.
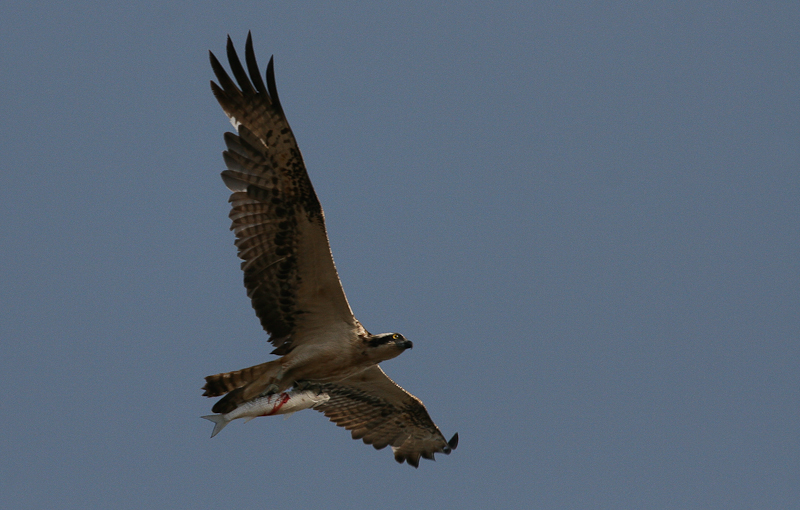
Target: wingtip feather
x=271 y=86
x=252 y=66
x=453 y=443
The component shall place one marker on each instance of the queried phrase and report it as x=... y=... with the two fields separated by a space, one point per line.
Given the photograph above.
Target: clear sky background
x=585 y=215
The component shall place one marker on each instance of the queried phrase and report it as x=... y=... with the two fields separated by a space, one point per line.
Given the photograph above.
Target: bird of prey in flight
x=294 y=287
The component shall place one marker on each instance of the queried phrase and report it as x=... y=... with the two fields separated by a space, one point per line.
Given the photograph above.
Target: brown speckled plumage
x=293 y=284
x=381 y=413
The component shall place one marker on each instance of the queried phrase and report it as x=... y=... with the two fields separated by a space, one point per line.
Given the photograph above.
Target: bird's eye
x=395 y=336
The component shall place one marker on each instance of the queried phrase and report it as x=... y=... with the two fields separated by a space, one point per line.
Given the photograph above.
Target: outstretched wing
x=278 y=221
x=382 y=413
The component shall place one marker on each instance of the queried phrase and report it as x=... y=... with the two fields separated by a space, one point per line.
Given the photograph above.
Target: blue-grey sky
x=586 y=216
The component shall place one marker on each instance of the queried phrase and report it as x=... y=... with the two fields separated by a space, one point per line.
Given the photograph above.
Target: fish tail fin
x=219 y=422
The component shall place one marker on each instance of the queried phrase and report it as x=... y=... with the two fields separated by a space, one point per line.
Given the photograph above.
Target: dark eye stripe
x=378 y=341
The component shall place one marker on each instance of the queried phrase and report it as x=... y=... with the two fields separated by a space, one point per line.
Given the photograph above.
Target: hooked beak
x=404 y=344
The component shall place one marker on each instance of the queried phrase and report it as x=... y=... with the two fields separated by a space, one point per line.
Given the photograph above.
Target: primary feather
x=294 y=287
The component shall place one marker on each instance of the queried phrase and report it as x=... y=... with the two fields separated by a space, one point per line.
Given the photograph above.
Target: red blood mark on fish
x=278 y=405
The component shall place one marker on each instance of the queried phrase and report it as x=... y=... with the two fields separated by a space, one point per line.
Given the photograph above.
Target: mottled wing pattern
x=382 y=413
x=278 y=221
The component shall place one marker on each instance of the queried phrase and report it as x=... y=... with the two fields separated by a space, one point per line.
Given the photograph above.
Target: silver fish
x=277 y=403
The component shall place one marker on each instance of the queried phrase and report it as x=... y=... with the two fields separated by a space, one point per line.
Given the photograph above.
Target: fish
x=276 y=403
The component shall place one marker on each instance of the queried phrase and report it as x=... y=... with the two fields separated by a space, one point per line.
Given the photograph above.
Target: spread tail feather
x=219 y=422
x=243 y=385
x=220 y=384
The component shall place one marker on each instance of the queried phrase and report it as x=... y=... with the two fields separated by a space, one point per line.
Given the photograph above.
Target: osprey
x=294 y=287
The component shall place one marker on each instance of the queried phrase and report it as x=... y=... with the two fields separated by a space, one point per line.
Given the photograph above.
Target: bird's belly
x=326 y=367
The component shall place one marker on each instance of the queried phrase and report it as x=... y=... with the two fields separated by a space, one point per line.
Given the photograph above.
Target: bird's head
x=386 y=346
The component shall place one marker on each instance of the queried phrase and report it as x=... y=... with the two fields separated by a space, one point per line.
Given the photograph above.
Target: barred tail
x=221 y=384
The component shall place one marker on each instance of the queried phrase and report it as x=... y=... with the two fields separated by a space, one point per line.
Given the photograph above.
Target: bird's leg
x=307 y=385
x=270 y=390
x=273 y=386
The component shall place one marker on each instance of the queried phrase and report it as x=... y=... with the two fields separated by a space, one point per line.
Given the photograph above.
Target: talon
x=306 y=385
x=269 y=390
